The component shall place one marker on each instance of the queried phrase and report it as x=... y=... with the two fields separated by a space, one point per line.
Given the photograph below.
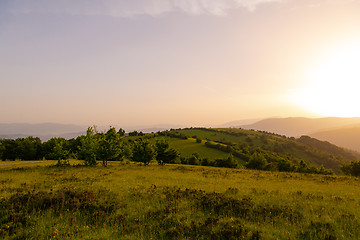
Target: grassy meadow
x=132 y=201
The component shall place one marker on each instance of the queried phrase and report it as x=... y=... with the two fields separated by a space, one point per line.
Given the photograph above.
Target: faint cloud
x=252 y=4
x=126 y=8
x=132 y=8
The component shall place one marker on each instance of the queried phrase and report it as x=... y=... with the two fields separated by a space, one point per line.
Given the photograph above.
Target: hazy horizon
x=180 y=62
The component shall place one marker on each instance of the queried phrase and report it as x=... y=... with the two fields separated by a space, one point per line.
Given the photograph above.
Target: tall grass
x=131 y=201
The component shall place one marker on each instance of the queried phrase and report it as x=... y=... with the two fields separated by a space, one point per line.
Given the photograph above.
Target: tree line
x=92 y=147
x=111 y=145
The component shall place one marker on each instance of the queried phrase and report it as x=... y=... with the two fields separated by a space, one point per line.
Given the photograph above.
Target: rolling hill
x=242 y=144
x=346 y=137
x=297 y=126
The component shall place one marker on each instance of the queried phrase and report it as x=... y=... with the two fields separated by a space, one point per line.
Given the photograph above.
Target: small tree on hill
x=89 y=145
x=143 y=152
x=109 y=146
x=121 y=132
x=353 y=168
x=164 y=154
x=257 y=161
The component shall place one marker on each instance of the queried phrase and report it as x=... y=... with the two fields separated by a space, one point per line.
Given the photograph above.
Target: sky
x=181 y=62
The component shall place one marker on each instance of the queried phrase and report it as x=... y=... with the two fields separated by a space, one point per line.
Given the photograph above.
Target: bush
x=257 y=161
x=143 y=152
x=353 y=168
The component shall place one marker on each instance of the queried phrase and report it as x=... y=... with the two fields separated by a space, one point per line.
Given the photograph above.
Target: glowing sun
x=332 y=85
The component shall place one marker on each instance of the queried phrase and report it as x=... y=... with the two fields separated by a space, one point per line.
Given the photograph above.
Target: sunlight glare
x=333 y=84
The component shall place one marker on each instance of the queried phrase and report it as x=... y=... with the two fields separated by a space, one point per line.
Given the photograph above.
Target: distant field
x=131 y=201
x=187 y=147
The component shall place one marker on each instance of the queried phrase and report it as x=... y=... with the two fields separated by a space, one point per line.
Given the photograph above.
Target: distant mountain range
x=344 y=132
x=46 y=131
x=43 y=130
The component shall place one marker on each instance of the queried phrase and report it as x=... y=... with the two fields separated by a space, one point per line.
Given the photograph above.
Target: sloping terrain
x=296 y=126
x=244 y=143
x=347 y=137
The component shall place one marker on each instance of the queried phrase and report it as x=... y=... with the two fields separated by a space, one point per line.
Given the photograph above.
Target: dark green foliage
x=352 y=168
x=121 y=132
x=89 y=146
x=29 y=148
x=109 y=146
x=284 y=165
x=56 y=148
x=9 y=149
x=165 y=154
x=173 y=134
x=143 y=151
x=194 y=159
x=257 y=161
x=136 y=133
x=227 y=163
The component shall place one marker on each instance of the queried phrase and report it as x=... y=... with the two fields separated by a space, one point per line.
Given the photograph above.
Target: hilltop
x=232 y=147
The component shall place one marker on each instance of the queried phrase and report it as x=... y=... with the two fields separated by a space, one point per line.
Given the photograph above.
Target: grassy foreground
x=130 y=201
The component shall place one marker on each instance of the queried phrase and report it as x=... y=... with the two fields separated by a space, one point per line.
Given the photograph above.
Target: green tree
x=109 y=146
x=227 y=162
x=165 y=154
x=352 y=168
x=142 y=151
x=10 y=149
x=195 y=159
x=59 y=151
x=89 y=145
x=284 y=165
x=121 y=132
x=257 y=161
x=29 y=148
x=303 y=167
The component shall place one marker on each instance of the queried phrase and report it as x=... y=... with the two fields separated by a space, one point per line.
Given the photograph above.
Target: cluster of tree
x=136 y=133
x=216 y=130
x=29 y=148
x=144 y=151
x=92 y=147
x=173 y=134
x=352 y=168
x=259 y=161
x=195 y=159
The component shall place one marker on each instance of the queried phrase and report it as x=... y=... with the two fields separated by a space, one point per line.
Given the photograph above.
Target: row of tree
x=92 y=147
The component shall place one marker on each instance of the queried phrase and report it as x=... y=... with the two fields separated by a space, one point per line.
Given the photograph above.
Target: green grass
x=187 y=147
x=131 y=201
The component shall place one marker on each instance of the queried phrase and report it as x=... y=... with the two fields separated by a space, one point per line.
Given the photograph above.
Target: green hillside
x=242 y=144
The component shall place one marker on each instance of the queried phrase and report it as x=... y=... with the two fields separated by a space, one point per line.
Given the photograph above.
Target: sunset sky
x=185 y=62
